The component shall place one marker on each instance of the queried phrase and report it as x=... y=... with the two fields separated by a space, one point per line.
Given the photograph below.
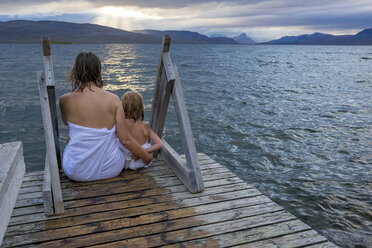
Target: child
x=140 y=131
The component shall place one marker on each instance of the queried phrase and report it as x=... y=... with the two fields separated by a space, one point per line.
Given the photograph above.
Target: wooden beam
x=50 y=144
x=168 y=88
x=155 y=107
x=49 y=77
x=168 y=66
x=159 y=103
x=186 y=133
x=12 y=170
x=178 y=165
x=47 y=190
x=166 y=82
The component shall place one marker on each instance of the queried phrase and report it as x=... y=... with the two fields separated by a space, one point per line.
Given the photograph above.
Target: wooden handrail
x=168 y=83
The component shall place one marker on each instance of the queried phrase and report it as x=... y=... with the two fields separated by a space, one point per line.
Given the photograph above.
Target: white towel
x=92 y=154
x=129 y=162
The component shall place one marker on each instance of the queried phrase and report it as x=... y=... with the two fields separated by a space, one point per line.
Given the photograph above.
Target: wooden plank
x=38 y=175
x=164 y=238
x=178 y=165
x=50 y=145
x=165 y=89
x=159 y=102
x=34 y=173
x=299 y=239
x=152 y=194
x=323 y=245
x=175 y=219
x=53 y=112
x=168 y=88
x=208 y=164
x=155 y=100
x=47 y=190
x=12 y=169
x=159 y=211
x=120 y=208
x=184 y=212
x=230 y=239
x=36 y=198
x=49 y=78
x=186 y=134
x=168 y=67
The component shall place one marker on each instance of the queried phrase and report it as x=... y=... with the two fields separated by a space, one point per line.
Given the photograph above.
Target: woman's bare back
x=93 y=107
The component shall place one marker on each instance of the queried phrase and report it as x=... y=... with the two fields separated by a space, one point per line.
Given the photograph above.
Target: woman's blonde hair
x=133 y=105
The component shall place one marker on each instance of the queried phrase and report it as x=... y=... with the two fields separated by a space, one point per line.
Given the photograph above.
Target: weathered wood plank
x=12 y=169
x=49 y=78
x=166 y=88
x=150 y=196
x=210 y=215
x=200 y=231
x=200 y=209
x=36 y=198
x=156 y=99
x=187 y=137
x=50 y=145
x=179 y=166
x=169 y=220
x=168 y=67
x=228 y=212
x=207 y=164
x=117 y=207
x=47 y=191
x=323 y=245
x=230 y=239
x=299 y=239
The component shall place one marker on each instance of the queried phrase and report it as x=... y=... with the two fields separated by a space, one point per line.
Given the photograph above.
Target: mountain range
x=65 y=32
x=20 y=31
x=362 y=38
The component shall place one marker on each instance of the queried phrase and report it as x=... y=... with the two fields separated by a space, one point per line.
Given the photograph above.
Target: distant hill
x=362 y=38
x=66 y=32
x=187 y=37
x=244 y=39
x=31 y=32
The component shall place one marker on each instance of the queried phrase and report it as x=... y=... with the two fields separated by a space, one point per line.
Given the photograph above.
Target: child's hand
x=134 y=157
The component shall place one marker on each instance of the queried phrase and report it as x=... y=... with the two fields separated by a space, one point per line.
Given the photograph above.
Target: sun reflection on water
x=123 y=69
x=127 y=86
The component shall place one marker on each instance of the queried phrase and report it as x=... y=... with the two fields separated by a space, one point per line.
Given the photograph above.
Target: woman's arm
x=124 y=136
x=63 y=112
x=156 y=141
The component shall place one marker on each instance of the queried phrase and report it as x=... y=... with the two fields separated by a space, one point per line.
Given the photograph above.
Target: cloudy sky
x=261 y=20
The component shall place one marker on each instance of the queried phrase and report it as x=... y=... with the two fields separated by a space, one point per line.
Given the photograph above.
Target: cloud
x=264 y=19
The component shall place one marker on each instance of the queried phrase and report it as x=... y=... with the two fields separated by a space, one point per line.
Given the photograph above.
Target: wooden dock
x=152 y=208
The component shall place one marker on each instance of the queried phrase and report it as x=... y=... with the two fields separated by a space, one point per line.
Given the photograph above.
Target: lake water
x=296 y=121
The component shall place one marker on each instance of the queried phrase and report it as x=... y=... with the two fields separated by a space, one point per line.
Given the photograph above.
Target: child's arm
x=156 y=141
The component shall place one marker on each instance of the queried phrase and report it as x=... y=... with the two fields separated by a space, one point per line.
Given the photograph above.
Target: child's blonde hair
x=133 y=105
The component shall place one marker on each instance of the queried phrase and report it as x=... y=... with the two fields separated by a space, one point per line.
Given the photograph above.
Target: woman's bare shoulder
x=112 y=96
x=64 y=97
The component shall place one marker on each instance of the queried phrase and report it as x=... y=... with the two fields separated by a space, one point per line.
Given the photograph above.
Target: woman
x=95 y=119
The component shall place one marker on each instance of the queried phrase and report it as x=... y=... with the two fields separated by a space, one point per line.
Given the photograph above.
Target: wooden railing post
x=50 y=146
x=159 y=87
x=167 y=83
x=49 y=78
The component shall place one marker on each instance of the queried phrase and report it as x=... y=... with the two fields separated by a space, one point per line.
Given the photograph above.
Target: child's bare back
x=140 y=131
